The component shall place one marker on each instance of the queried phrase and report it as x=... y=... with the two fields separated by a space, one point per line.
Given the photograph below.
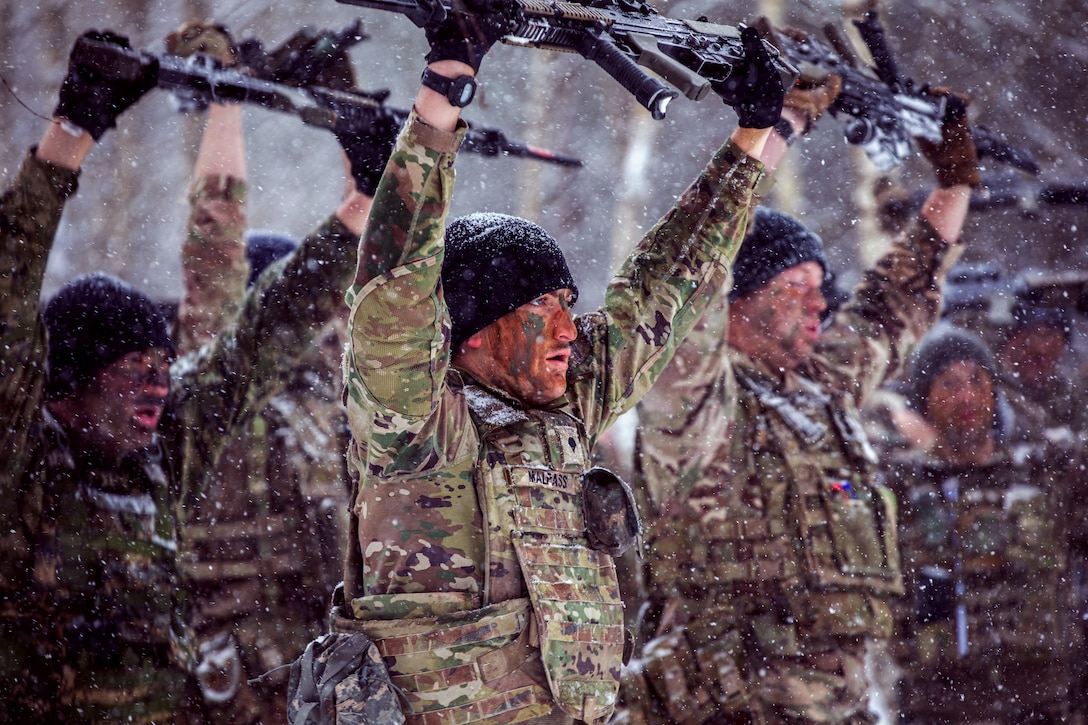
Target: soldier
x=262 y=543
x=772 y=550
x=989 y=626
x=1044 y=397
x=474 y=399
x=105 y=436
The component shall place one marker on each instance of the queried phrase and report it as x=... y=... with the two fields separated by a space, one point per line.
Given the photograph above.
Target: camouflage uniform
x=990 y=625
x=261 y=544
x=468 y=562
x=94 y=623
x=772 y=550
x=1058 y=409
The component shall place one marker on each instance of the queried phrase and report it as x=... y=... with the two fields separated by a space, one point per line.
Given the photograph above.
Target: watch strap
x=458 y=91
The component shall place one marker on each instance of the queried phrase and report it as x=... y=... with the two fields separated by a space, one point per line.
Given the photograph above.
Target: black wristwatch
x=458 y=91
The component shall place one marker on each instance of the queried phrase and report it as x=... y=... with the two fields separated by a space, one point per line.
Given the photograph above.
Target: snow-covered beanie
x=93 y=321
x=943 y=346
x=263 y=248
x=774 y=243
x=494 y=264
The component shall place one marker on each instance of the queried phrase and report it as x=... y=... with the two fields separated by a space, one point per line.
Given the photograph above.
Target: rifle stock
x=693 y=56
x=325 y=108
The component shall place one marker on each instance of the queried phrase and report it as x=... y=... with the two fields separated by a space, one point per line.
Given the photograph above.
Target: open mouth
x=560 y=358
x=147 y=416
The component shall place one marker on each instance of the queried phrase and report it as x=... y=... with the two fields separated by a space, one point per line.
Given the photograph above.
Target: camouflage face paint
x=786 y=315
x=530 y=348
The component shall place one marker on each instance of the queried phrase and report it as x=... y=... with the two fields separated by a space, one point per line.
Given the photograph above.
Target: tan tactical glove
x=811 y=97
x=954 y=159
x=203 y=36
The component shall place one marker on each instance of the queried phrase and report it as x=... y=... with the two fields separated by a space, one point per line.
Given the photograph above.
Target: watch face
x=465 y=89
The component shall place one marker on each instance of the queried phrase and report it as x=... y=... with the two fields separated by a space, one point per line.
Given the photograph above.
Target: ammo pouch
x=340 y=679
x=608 y=505
x=681 y=681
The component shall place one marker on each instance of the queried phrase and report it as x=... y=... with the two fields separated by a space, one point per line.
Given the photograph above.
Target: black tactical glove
x=368 y=144
x=954 y=159
x=467 y=38
x=758 y=94
x=92 y=100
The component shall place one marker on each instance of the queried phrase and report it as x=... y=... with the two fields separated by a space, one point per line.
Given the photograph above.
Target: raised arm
x=30 y=213
x=213 y=256
x=399 y=352
x=681 y=265
x=898 y=301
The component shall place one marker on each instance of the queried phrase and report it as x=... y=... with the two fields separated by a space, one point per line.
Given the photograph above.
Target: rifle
x=885 y=109
x=338 y=111
x=695 y=56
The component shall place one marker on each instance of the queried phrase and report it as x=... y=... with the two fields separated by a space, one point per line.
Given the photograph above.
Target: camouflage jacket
x=271 y=517
x=1059 y=409
x=89 y=589
x=419 y=543
x=743 y=454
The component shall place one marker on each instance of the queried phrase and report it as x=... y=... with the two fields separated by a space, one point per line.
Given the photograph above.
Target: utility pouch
x=611 y=516
x=340 y=679
x=687 y=683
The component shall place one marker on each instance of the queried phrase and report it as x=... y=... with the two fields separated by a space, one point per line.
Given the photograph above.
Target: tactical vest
x=266 y=542
x=989 y=561
x=105 y=569
x=803 y=524
x=515 y=658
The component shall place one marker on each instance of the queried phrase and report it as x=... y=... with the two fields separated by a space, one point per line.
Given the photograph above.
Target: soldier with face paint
x=105 y=433
x=480 y=557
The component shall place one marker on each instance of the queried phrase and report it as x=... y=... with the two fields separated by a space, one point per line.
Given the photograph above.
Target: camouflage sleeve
x=662 y=289
x=399 y=325
x=30 y=211
x=218 y=386
x=213 y=259
x=892 y=308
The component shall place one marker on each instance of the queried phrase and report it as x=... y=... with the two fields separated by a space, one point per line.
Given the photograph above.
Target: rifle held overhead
x=623 y=38
x=201 y=77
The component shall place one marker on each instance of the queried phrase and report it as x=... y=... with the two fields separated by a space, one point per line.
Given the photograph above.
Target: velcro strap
x=758 y=569
x=486 y=668
x=472 y=633
x=742 y=529
x=548 y=520
x=488 y=708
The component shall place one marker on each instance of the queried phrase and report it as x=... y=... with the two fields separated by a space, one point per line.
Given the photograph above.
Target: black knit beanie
x=93 y=321
x=943 y=346
x=774 y=243
x=263 y=248
x=494 y=264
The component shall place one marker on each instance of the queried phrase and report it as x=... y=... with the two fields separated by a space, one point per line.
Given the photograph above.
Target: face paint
x=119 y=410
x=529 y=349
x=783 y=316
